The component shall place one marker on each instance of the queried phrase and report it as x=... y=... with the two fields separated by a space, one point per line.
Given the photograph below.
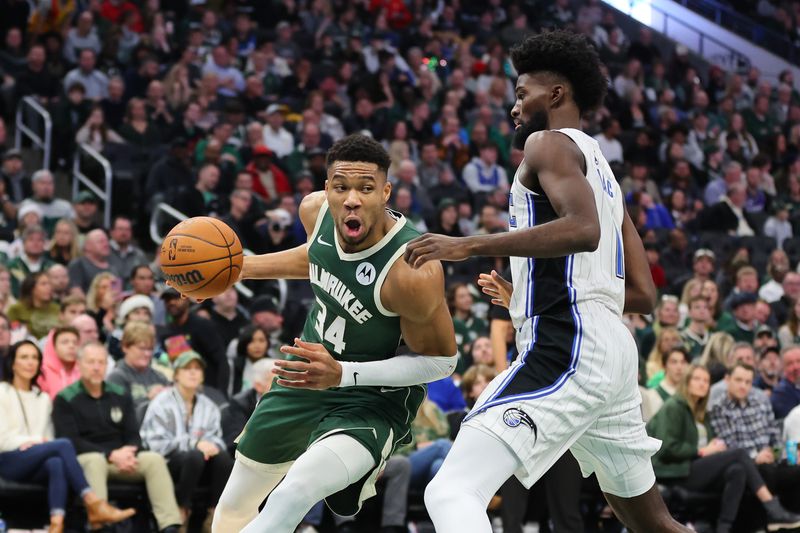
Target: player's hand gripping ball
x=201 y=257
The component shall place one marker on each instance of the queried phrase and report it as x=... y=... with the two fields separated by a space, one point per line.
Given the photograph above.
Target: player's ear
x=387 y=191
x=557 y=94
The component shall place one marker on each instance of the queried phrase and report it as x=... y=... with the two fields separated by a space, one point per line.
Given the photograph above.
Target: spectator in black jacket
x=17 y=183
x=244 y=403
x=35 y=80
x=99 y=419
x=171 y=173
x=201 y=200
x=199 y=333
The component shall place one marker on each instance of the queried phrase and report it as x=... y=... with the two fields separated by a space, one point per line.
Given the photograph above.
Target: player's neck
x=567 y=117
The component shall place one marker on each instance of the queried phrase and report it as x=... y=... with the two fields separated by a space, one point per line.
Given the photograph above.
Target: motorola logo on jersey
x=514 y=417
x=365 y=273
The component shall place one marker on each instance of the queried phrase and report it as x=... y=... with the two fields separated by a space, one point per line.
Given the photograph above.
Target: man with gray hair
x=99 y=419
x=244 y=403
x=717 y=188
x=95 y=259
x=52 y=208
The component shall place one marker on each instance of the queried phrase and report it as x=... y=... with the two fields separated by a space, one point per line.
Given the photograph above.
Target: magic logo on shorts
x=514 y=417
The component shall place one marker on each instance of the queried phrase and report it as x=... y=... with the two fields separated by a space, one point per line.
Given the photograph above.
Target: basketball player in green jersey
x=343 y=400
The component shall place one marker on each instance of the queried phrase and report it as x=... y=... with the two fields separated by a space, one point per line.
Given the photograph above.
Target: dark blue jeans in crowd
x=425 y=462
x=53 y=462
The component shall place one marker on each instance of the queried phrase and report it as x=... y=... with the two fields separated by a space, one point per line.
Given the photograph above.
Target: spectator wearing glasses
x=135 y=373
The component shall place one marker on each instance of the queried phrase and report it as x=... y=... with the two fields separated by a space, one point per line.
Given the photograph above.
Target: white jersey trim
x=382 y=277
x=320 y=215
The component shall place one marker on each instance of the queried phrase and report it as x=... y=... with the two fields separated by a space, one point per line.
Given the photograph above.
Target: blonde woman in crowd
x=64 y=246
x=666 y=340
x=101 y=301
x=691 y=289
x=715 y=354
x=6 y=298
x=789 y=333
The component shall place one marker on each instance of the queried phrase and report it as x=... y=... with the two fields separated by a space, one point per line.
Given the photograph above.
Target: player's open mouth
x=517 y=124
x=352 y=227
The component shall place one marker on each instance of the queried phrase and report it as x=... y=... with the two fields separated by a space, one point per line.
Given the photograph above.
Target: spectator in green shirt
x=468 y=327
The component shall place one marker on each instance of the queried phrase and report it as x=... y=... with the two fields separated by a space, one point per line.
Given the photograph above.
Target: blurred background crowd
x=227 y=108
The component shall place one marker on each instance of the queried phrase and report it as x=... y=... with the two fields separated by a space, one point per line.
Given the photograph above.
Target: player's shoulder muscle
x=309 y=209
x=413 y=293
x=548 y=150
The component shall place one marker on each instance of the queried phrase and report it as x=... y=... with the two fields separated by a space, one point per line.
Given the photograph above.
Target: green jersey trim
x=363 y=254
x=382 y=277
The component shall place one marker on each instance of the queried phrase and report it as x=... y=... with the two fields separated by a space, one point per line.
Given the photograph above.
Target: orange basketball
x=201 y=257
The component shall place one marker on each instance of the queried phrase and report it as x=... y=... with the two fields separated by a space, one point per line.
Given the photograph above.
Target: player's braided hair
x=568 y=55
x=359 y=148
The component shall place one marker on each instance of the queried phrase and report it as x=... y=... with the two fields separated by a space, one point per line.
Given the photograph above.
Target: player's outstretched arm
x=287 y=264
x=640 y=291
x=559 y=165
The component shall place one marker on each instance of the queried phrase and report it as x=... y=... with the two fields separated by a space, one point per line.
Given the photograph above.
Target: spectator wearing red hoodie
x=113 y=11
x=59 y=368
x=269 y=181
x=656 y=270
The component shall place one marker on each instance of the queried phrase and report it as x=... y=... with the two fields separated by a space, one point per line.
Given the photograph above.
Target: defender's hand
x=497 y=287
x=431 y=247
x=321 y=371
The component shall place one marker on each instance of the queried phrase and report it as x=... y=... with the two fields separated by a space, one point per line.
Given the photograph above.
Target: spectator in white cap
x=27 y=215
x=135 y=308
x=276 y=137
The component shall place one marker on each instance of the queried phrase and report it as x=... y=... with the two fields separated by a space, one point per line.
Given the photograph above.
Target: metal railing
x=746 y=27
x=155 y=235
x=80 y=178
x=707 y=46
x=27 y=106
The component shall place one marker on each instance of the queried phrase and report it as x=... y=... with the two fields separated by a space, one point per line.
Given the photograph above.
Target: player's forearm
x=640 y=291
x=287 y=264
x=398 y=371
x=561 y=237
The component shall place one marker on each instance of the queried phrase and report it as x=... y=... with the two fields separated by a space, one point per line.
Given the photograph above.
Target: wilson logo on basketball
x=187 y=278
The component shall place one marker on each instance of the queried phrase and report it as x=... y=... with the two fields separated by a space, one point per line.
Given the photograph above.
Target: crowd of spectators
x=226 y=109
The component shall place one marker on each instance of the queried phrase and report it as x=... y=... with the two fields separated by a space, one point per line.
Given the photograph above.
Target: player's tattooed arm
x=418 y=297
x=640 y=291
x=559 y=167
x=287 y=264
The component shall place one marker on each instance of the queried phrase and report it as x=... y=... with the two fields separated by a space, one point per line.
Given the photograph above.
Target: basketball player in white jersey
x=577 y=264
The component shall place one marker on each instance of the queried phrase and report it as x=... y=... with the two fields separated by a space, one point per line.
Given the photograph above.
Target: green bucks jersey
x=348 y=317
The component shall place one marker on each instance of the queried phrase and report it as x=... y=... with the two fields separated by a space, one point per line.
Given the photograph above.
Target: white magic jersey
x=552 y=285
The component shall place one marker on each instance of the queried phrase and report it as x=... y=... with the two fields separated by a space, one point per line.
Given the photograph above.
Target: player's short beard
x=539 y=121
